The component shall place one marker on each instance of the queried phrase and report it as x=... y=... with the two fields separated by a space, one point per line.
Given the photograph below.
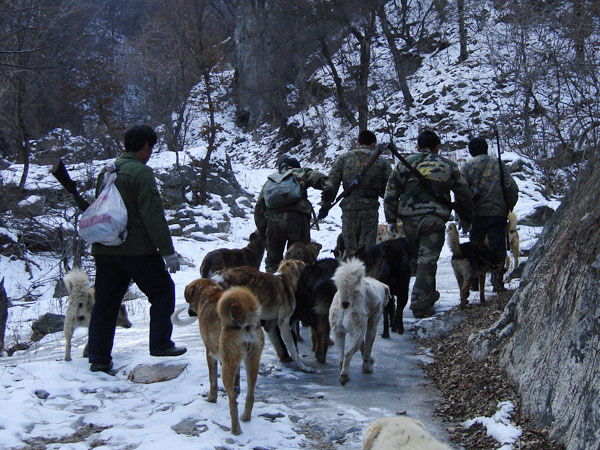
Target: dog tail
x=181 y=322
x=349 y=275
x=453 y=240
x=238 y=306
x=76 y=279
x=512 y=222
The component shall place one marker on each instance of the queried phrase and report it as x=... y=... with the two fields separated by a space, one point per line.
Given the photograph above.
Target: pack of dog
x=355 y=311
x=470 y=261
x=229 y=322
x=224 y=258
x=276 y=294
x=79 y=309
x=389 y=262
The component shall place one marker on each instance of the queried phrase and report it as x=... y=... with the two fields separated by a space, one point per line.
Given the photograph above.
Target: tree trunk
x=212 y=134
x=462 y=31
x=398 y=60
x=339 y=87
x=362 y=84
x=3 y=313
x=23 y=135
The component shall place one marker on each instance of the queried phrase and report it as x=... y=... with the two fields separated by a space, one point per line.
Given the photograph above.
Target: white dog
x=356 y=309
x=400 y=433
x=79 y=309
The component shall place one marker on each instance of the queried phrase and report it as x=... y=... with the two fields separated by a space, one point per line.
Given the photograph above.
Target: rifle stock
x=327 y=206
x=464 y=213
x=59 y=171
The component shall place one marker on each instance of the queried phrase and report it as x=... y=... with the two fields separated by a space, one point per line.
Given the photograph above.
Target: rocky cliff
x=549 y=332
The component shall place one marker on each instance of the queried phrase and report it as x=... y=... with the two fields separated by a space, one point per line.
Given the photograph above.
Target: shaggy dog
x=229 y=322
x=389 y=262
x=223 y=258
x=400 y=433
x=513 y=241
x=471 y=260
x=384 y=235
x=79 y=309
x=313 y=299
x=304 y=252
x=355 y=310
x=275 y=292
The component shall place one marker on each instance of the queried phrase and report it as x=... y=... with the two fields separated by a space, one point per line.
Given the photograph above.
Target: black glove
x=327 y=196
x=324 y=211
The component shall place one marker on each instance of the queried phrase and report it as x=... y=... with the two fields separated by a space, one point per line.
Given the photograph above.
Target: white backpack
x=105 y=221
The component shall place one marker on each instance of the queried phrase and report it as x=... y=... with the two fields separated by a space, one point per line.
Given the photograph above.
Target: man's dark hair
x=428 y=139
x=290 y=163
x=137 y=136
x=478 y=146
x=366 y=137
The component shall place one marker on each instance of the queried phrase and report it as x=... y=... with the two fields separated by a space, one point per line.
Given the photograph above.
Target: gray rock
x=49 y=323
x=41 y=394
x=190 y=427
x=538 y=218
x=155 y=373
x=437 y=326
x=272 y=416
x=33 y=204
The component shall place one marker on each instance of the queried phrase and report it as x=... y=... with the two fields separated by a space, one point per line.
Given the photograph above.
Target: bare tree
x=462 y=30
x=38 y=39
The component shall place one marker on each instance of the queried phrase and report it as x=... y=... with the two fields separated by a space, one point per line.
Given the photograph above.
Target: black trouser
x=289 y=227
x=113 y=275
x=494 y=228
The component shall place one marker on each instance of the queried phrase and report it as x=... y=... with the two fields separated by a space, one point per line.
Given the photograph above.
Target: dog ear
x=189 y=291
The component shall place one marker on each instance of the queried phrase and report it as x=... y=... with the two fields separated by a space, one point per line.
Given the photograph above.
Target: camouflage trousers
x=425 y=236
x=287 y=227
x=359 y=228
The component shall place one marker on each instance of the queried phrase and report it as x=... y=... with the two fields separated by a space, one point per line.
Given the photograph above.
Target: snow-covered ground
x=44 y=396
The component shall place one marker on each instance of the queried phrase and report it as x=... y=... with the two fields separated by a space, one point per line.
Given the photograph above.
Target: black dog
x=471 y=260
x=389 y=262
x=313 y=298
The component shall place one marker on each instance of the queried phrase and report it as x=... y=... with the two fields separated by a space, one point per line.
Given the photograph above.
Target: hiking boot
x=423 y=313
x=171 y=351
x=101 y=367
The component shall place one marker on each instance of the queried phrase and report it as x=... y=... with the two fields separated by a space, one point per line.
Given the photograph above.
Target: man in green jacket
x=490 y=208
x=139 y=259
x=423 y=216
x=288 y=223
x=360 y=209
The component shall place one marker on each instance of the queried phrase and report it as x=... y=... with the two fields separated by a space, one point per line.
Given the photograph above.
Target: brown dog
x=306 y=253
x=223 y=258
x=275 y=292
x=384 y=235
x=229 y=324
x=471 y=260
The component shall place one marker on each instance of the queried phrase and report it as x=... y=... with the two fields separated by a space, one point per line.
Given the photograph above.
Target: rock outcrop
x=550 y=331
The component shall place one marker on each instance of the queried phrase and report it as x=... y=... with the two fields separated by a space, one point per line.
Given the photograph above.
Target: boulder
x=49 y=323
x=155 y=373
x=538 y=217
x=549 y=334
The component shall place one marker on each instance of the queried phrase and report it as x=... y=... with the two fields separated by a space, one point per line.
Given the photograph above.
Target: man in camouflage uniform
x=360 y=209
x=489 y=208
x=423 y=216
x=291 y=223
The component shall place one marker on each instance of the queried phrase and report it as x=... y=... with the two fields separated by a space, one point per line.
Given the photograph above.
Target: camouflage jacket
x=345 y=169
x=405 y=195
x=483 y=177
x=308 y=178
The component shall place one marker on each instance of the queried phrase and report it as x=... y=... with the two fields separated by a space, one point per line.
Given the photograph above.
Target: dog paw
x=305 y=368
x=236 y=430
x=211 y=399
x=344 y=379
